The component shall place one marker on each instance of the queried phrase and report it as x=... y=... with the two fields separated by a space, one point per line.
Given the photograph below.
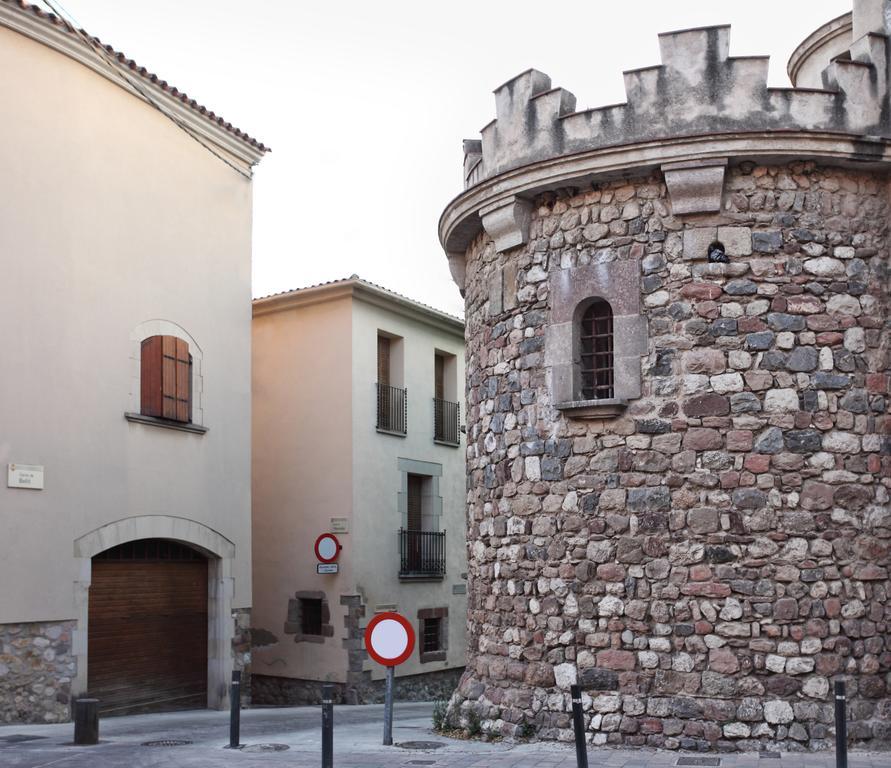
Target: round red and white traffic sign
x=389 y=639
x=327 y=548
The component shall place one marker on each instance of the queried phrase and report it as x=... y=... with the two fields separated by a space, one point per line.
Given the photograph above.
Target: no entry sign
x=389 y=639
x=327 y=548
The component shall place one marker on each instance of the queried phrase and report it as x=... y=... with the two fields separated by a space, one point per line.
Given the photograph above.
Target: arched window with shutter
x=596 y=351
x=166 y=379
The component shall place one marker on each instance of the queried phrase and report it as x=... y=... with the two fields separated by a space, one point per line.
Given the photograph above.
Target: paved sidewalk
x=357 y=744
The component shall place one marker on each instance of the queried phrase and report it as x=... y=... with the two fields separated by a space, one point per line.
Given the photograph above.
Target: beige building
x=356 y=413
x=125 y=250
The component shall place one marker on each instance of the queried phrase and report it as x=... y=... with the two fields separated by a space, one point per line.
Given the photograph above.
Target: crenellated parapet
x=699 y=103
x=698 y=89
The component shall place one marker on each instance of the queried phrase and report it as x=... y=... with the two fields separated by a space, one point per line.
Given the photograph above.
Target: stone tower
x=678 y=394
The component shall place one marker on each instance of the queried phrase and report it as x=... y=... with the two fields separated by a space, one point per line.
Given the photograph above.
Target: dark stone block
x=823 y=380
x=749 y=498
x=724 y=326
x=744 y=402
x=595 y=679
x=652 y=426
x=803 y=440
x=761 y=341
x=802 y=359
x=774 y=361
x=767 y=242
x=649 y=499
x=780 y=321
x=551 y=469
x=742 y=287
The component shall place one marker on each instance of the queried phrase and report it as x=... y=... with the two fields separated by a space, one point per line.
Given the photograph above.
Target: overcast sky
x=365 y=103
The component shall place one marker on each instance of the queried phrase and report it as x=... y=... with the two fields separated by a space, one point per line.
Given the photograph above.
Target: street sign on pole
x=389 y=640
x=327 y=548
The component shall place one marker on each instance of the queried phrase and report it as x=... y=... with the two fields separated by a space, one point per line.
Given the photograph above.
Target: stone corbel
x=507 y=222
x=695 y=186
x=458 y=268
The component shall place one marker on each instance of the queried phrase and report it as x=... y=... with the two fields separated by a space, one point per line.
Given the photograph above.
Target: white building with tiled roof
x=357 y=409
x=125 y=255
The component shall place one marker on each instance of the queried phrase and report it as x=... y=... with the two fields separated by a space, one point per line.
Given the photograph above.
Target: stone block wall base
x=36 y=670
x=288 y=691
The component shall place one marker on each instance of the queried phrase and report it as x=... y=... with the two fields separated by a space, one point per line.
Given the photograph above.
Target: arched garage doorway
x=148 y=627
x=220 y=553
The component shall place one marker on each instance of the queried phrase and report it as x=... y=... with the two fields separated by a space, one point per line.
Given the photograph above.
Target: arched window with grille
x=596 y=351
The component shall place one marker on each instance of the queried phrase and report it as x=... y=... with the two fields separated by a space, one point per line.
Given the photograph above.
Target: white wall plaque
x=326 y=568
x=25 y=476
x=340 y=525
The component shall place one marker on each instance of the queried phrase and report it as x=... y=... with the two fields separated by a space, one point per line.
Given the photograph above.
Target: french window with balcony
x=392 y=397
x=446 y=409
x=421 y=546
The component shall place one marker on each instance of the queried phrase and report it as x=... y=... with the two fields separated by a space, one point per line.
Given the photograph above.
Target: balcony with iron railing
x=446 y=422
x=392 y=409
x=422 y=555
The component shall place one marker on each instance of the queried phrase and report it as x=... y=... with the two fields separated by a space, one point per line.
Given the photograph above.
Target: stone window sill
x=447 y=443
x=153 y=421
x=432 y=656
x=390 y=432
x=606 y=408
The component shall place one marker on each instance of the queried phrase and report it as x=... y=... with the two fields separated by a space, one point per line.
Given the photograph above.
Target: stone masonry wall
x=287 y=691
x=708 y=563
x=36 y=670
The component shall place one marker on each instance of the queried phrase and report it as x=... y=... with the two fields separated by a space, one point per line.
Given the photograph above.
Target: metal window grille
x=422 y=553
x=392 y=408
x=150 y=549
x=446 y=421
x=597 y=351
x=311 y=616
x=432 y=638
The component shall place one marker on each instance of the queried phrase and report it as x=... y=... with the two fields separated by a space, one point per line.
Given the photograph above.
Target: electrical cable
x=111 y=63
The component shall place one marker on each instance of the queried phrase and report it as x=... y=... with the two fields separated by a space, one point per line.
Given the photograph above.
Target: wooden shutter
x=166 y=375
x=150 y=375
x=383 y=360
x=438 y=377
x=183 y=381
x=415 y=486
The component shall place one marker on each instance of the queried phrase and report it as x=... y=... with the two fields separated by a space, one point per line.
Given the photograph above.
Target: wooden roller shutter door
x=147 y=638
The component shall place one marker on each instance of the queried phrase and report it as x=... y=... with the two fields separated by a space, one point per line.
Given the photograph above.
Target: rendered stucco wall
x=114 y=217
x=302 y=478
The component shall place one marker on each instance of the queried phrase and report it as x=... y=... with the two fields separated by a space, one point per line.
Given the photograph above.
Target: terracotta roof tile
x=141 y=71
x=356 y=279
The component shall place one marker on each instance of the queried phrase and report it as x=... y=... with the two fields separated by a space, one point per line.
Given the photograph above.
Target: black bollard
x=327 y=725
x=578 y=726
x=841 y=725
x=235 y=710
x=86 y=721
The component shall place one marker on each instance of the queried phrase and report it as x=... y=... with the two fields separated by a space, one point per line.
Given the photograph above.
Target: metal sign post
x=388 y=708
x=327 y=725
x=389 y=640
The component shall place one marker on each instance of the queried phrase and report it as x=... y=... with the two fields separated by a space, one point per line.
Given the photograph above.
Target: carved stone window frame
x=571 y=291
x=294 y=622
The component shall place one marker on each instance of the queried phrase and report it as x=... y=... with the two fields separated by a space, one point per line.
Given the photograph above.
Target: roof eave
x=58 y=38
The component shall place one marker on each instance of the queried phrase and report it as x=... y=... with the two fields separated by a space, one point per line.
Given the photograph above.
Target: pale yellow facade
x=116 y=225
x=318 y=455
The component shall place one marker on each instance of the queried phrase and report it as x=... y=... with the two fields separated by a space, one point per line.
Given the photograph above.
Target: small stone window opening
x=596 y=353
x=431 y=639
x=433 y=625
x=310 y=616
x=717 y=254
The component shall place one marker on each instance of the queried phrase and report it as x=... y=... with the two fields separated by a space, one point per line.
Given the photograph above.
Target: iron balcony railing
x=422 y=554
x=392 y=409
x=446 y=421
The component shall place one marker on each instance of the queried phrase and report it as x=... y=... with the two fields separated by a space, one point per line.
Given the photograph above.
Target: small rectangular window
x=310 y=616
x=432 y=639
